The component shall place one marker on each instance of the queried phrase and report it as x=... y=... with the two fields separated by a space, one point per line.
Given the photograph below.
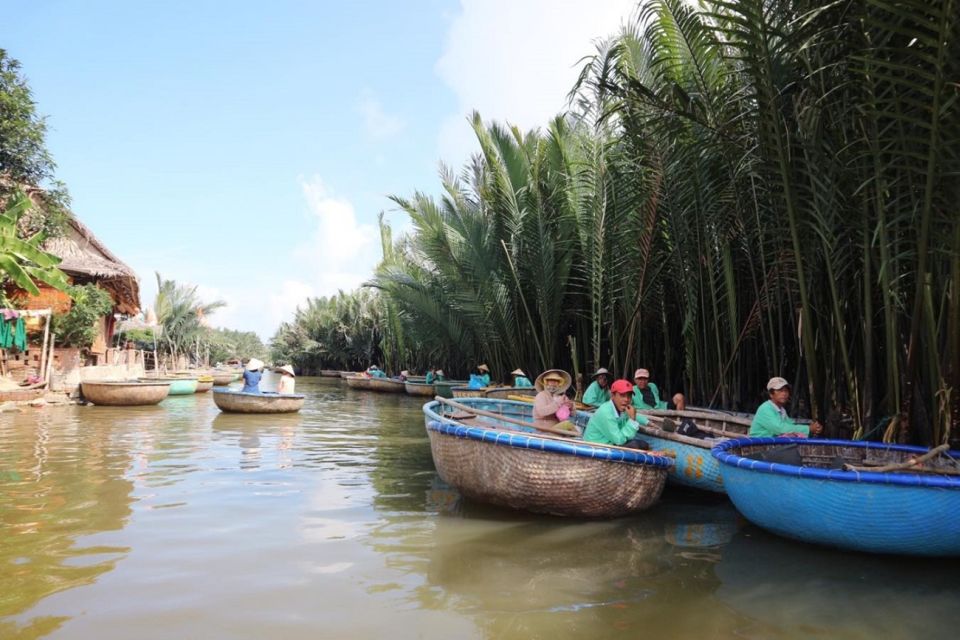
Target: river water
x=177 y=521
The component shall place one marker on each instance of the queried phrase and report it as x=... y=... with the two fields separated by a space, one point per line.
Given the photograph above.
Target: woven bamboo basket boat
x=348 y=374
x=694 y=467
x=204 y=384
x=231 y=401
x=329 y=373
x=898 y=512
x=418 y=389
x=179 y=386
x=386 y=385
x=504 y=393
x=500 y=463
x=467 y=392
x=125 y=394
x=223 y=378
x=357 y=381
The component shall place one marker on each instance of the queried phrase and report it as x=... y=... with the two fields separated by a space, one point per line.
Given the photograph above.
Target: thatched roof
x=85 y=258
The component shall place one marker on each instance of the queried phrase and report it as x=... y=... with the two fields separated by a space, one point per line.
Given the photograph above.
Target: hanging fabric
x=20 y=335
x=6 y=334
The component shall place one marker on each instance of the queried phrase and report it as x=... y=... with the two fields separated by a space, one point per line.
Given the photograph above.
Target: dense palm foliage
x=740 y=189
x=181 y=316
x=343 y=332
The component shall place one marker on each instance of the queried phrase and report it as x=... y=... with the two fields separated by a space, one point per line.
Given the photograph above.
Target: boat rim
x=722 y=454
x=267 y=394
x=449 y=426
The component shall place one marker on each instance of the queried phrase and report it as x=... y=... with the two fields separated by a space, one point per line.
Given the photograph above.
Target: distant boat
x=329 y=373
x=387 y=385
x=505 y=392
x=204 y=384
x=479 y=448
x=358 y=381
x=125 y=393
x=419 y=389
x=179 y=386
x=232 y=401
x=864 y=496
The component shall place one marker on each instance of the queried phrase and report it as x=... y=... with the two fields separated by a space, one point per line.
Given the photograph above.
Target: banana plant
x=23 y=260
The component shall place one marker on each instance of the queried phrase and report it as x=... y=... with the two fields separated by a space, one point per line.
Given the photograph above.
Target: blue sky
x=247 y=147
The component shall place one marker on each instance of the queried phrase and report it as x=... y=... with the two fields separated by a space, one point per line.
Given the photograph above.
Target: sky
x=248 y=147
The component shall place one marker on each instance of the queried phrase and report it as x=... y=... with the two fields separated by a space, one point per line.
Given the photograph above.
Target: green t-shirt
x=770 y=421
x=606 y=426
x=595 y=395
x=640 y=403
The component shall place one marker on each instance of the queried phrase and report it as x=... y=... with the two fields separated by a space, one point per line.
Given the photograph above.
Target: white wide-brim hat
x=254 y=364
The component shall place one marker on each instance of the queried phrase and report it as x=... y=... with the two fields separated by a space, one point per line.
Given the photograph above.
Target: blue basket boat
x=694 y=466
x=489 y=459
x=914 y=513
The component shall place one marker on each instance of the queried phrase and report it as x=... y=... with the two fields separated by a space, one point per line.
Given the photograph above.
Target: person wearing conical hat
x=599 y=390
x=288 y=381
x=374 y=372
x=252 y=372
x=551 y=406
x=484 y=372
x=520 y=379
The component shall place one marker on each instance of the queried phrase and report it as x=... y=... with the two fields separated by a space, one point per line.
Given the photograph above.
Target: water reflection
x=56 y=495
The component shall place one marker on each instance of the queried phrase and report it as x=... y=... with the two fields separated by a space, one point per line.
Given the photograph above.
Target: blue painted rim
x=722 y=453
x=267 y=394
x=448 y=426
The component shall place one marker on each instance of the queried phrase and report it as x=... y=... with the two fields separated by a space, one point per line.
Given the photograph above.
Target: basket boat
x=386 y=385
x=418 y=389
x=204 y=384
x=125 y=394
x=444 y=388
x=231 y=401
x=179 y=386
x=223 y=378
x=909 y=513
x=329 y=373
x=358 y=382
x=694 y=467
x=467 y=392
x=504 y=464
x=348 y=374
x=505 y=392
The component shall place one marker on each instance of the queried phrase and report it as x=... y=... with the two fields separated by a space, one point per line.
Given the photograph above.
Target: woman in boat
x=646 y=395
x=434 y=376
x=480 y=378
x=616 y=421
x=598 y=392
x=551 y=405
x=288 y=381
x=771 y=419
x=374 y=372
x=252 y=373
x=520 y=379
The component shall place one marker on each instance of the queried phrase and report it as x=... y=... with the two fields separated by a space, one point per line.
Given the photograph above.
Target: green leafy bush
x=78 y=327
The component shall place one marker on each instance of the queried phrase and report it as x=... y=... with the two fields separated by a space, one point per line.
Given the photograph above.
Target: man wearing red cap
x=616 y=421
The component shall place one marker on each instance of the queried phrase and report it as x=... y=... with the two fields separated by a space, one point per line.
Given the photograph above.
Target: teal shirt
x=378 y=374
x=771 y=422
x=643 y=406
x=595 y=396
x=430 y=378
x=485 y=379
x=606 y=426
x=522 y=381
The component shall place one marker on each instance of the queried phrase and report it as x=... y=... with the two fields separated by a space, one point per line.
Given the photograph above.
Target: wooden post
x=53 y=338
x=43 y=350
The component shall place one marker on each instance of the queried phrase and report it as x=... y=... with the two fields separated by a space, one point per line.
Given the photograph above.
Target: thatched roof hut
x=86 y=259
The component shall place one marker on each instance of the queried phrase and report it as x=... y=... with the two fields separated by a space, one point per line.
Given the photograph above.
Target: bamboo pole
x=46 y=379
x=43 y=350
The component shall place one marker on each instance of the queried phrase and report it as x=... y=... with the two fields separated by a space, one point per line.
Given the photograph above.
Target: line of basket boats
x=151 y=390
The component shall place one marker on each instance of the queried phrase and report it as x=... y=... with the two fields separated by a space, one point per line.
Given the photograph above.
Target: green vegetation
x=224 y=344
x=24 y=159
x=745 y=189
x=79 y=326
x=22 y=261
x=181 y=316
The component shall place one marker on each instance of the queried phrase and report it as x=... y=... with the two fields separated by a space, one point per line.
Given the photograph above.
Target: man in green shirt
x=598 y=392
x=520 y=379
x=771 y=419
x=646 y=395
x=616 y=421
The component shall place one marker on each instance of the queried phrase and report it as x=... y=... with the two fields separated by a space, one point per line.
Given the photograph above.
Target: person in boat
x=520 y=379
x=480 y=378
x=616 y=421
x=288 y=381
x=404 y=375
x=771 y=419
x=598 y=392
x=374 y=372
x=551 y=406
x=434 y=376
x=646 y=395
x=252 y=372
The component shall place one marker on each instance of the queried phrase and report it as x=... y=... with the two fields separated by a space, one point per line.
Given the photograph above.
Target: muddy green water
x=177 y=521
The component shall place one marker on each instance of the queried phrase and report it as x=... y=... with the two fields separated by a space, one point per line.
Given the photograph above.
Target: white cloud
x=377 y=122
x=517 y=61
